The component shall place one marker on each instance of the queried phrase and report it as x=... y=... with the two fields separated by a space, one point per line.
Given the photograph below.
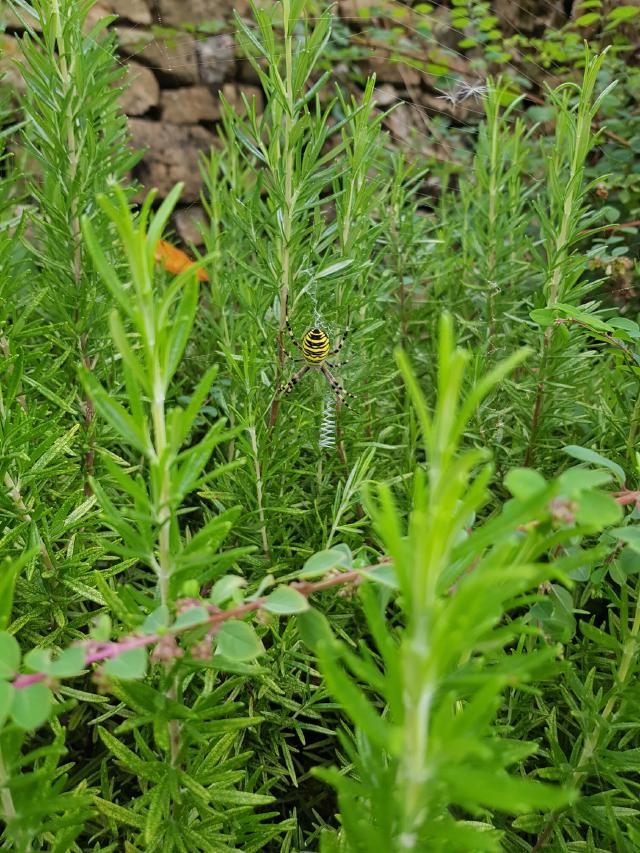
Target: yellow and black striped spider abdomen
x=315 y=346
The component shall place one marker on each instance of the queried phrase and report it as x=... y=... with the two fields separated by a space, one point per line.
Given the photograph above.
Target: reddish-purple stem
x=97 y=652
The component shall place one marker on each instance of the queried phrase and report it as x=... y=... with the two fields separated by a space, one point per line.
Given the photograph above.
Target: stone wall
x=173 y=101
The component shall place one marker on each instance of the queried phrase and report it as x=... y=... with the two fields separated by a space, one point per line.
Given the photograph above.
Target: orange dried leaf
x=175 y=261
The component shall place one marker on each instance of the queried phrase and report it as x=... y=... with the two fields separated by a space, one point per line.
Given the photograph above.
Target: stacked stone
x=174 y=83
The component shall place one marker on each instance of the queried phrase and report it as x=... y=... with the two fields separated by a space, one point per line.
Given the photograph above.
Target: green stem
x=493 y=197
x=164 y=478
x=258 y=472
x=633 y=428
x=285 y=241
x=164 y=521
x=414 y=770
x=66 y=75
x=66 y=79
x=8 y=806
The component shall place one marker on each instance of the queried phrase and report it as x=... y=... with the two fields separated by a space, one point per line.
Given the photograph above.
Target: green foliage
x=206 y=614
x=440 y=677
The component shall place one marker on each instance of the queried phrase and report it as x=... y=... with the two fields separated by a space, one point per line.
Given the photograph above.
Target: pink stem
x=97 y=652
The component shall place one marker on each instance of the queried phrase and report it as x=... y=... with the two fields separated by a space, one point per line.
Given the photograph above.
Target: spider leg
x=342 y=341
x=291 y=384
x=289 y=329
x=340 y=392
x=334 y=364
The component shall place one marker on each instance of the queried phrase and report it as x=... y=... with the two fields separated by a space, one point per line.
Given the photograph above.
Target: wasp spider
x=315 y=349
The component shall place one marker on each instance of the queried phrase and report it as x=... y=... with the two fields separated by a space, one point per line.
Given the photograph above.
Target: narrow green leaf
x=180 y=329
x=158 y=807
x=163 y=213
x=142 y=767
x=195 y=403
x=79 y=513
x=587 y=20
x=10 y=569
x=106 y=270
x=623 y=13
x=417 y=397
x=119 y=814
x=128 y=356
x=599 y=637
x=334 y=268
x=232 y=797
x=115 y=414
x=503 y=792
x=8 y=574
x=60 y=446
x=198 y=790
x=353 y=699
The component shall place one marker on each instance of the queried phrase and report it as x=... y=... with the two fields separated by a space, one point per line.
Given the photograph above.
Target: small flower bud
x=202 y=650
x=166 y=649
x=563 y=511
x=348 y=590
x=101 y=680
x=263 y=617
x=184 y=604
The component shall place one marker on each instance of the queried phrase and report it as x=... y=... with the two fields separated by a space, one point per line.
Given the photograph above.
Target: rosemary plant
x=210 y=625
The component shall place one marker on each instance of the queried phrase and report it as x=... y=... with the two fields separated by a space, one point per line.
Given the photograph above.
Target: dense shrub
x=233 y=618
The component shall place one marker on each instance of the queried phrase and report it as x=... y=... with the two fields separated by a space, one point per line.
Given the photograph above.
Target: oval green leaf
x=238 y=641
x=69 y=664
x=31 y=705
x=226 y=589
x=314 y=629
x=322 y=562
x=128 y=665
x=38 y=660
x=286 y=599
x=9 y=655
x=585 y=454
x=6 y=700
x=156 y=620
x=192 y=616
x=523 y=483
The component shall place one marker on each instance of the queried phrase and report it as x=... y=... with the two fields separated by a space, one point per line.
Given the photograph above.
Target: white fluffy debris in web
x=462 y=91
